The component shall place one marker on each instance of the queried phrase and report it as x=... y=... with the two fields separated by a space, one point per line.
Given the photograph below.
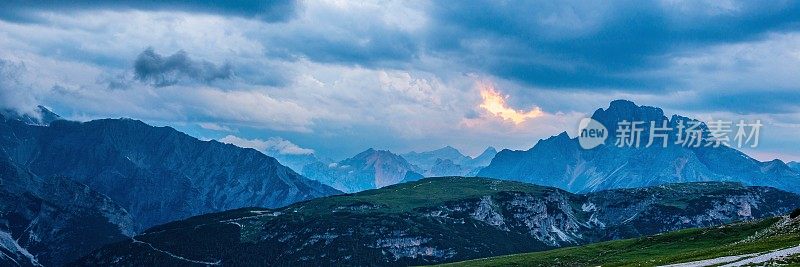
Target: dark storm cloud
x=756 y=101
x=384 y=48
x=265 y=10
x=597 y=45
x=161 y=71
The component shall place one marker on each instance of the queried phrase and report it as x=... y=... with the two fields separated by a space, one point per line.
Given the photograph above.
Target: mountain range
x=121 y=192
x=561 y=162
x=448 y=161
x=69 y=187
x=373 y=169
x=436 y=220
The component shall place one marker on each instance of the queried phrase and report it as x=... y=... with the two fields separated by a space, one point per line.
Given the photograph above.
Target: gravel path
x=767 y=256
x=710 y=262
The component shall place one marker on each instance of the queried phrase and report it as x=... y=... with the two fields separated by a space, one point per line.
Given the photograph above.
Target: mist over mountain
x=559 y=161
x=42 y=116
x=298 y=161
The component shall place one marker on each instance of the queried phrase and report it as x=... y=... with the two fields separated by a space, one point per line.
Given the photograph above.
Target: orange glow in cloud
x=495 y=103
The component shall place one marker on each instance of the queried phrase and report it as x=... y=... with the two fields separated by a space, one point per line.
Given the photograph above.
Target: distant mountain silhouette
x=448 y=161
x=559 y=160
x=369 y=169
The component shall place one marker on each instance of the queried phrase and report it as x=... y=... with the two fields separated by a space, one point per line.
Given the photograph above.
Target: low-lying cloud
x=271 y=146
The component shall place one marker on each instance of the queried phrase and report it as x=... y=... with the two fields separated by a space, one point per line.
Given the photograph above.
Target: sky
x=337 y=77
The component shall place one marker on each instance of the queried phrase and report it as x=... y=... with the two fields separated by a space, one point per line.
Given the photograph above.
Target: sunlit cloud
x=495 y=103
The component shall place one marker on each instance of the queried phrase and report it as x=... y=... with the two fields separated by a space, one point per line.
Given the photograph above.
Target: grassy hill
x=740 y=240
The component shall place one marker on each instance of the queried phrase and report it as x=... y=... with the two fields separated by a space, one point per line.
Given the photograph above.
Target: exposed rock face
x=54 y=220
x=368 y=170
x=12 y=254
x=436 y=220
x=559 y=161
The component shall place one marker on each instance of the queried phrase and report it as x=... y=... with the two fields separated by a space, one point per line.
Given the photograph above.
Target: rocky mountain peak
x=42 y=116
x=619 y=110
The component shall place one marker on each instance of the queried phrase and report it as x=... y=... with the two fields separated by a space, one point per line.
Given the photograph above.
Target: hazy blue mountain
x=426 y=160
x=794 y=165
x=446 y=167
x=368 y=170
x=438 y=220
x=298 y=161
x=559 y=161
x=484 y=158
x=448 y=161
x=157 y=173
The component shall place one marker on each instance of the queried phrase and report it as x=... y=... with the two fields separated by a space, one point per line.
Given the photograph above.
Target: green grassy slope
x=669 y=248
x=423 y=193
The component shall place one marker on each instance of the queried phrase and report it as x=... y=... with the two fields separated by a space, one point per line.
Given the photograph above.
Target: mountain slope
x=12 y=254
x=368 y=170
x=773 y=240
x=157 y=173
x=559 y=161
x=794 y=165
x=54 y=220
x=436 y=220
x=485 y=157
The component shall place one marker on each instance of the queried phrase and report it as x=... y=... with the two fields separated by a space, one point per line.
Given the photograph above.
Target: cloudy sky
x=337 y=77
